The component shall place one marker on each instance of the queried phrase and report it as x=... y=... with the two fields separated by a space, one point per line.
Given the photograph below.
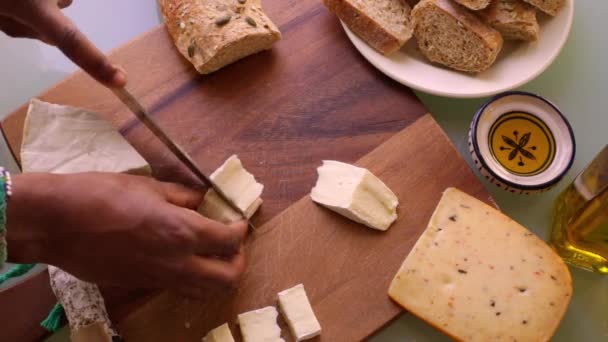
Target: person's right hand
x=43 y=20
x=122 y=230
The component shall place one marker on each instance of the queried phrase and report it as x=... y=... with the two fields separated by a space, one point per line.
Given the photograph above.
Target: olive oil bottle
x=580 y=227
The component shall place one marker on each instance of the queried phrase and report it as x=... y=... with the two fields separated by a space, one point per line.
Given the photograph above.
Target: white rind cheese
x=298 y=313
x=260 y=325
x=238 y=184
x=478 y=275
x=219 y=334
x=355 y=193
x=64 y=139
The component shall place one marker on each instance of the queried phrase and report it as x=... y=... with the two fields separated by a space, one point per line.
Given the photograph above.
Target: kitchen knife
x=131 y=102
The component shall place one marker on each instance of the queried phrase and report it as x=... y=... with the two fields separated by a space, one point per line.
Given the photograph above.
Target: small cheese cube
x=260 y=325
x=298 y=313
x=479 y=276
x=219 y=334
x=355 y=193
x=238 y=184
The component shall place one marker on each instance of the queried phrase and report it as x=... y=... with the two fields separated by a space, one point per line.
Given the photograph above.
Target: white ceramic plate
x=517 y=64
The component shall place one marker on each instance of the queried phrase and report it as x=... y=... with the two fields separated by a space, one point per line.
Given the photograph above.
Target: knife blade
x=135 y=106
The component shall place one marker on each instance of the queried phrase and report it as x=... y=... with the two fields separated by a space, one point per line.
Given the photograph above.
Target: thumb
x=57 y=29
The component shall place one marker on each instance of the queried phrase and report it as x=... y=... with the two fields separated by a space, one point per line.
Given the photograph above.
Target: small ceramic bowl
x=521 y=142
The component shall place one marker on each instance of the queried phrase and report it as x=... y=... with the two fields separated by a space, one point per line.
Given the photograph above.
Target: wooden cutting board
x=283 y=111
x=345 y=267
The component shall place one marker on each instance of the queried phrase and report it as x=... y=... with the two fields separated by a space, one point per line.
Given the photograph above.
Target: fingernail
x=119 y=79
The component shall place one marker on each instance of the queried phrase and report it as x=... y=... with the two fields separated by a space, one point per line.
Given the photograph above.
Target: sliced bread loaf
x=448 y=34
x=514 y=19
x=475 y=5
x=215 y=33
x=384 y=24
x=551 y=7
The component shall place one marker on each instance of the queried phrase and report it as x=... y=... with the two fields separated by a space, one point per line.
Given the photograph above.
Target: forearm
x=99 y=225
x=26 y=239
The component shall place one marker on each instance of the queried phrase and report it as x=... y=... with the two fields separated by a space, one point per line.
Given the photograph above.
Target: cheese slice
x=298 y=313
x=64 y=139
x=479 y=276
x=355 y=193
x=238 y=184
x=219 y=334
x=260 y=325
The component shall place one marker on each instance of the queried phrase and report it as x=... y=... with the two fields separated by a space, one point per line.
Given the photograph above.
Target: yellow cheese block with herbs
x=477 y=275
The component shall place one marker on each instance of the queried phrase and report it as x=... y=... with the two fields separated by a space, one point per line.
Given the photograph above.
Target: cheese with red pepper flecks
x=477 y=275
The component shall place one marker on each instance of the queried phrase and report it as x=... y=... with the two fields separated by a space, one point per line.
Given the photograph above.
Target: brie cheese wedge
x=355 y=193
x=238 y=184
x=260 y=325
x=219 y=334
x=298 y=313
x=64 y=139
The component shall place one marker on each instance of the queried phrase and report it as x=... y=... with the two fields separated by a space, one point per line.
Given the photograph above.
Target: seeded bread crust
x=514 y=19
x=448 y=34
x=214 y=33
x=474 y=5
x=361 y=19
x=551 y=7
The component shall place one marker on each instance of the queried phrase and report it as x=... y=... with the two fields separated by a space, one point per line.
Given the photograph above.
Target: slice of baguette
x=214 y=33
x=450 y=35
x=551 y=7
x=514 y=19
x=384 y=24
x=474 y=5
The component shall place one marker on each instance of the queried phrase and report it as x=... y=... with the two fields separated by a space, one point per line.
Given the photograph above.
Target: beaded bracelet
x=8 y=182
x=5 y=193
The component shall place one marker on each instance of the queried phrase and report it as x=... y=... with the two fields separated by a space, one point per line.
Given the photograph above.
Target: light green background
x=576 y=82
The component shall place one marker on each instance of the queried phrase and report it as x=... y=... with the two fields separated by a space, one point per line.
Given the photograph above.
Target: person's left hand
x=122 y=230
x=43 y=20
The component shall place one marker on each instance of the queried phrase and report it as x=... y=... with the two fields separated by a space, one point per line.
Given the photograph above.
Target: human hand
x=122 y=230
x=43 y=20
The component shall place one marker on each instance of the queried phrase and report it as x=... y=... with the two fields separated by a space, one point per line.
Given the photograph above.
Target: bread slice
x=514 y=19
x=478 y=275
x=214 y=33
x=551 y=7
x=450 y=35
x=384 y=24
x=474 y=5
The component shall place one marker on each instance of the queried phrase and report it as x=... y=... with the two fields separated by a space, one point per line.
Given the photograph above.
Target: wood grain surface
x=345 y=267
x=312 y=97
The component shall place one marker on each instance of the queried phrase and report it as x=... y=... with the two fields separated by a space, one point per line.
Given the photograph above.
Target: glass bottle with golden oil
x=580 y=227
